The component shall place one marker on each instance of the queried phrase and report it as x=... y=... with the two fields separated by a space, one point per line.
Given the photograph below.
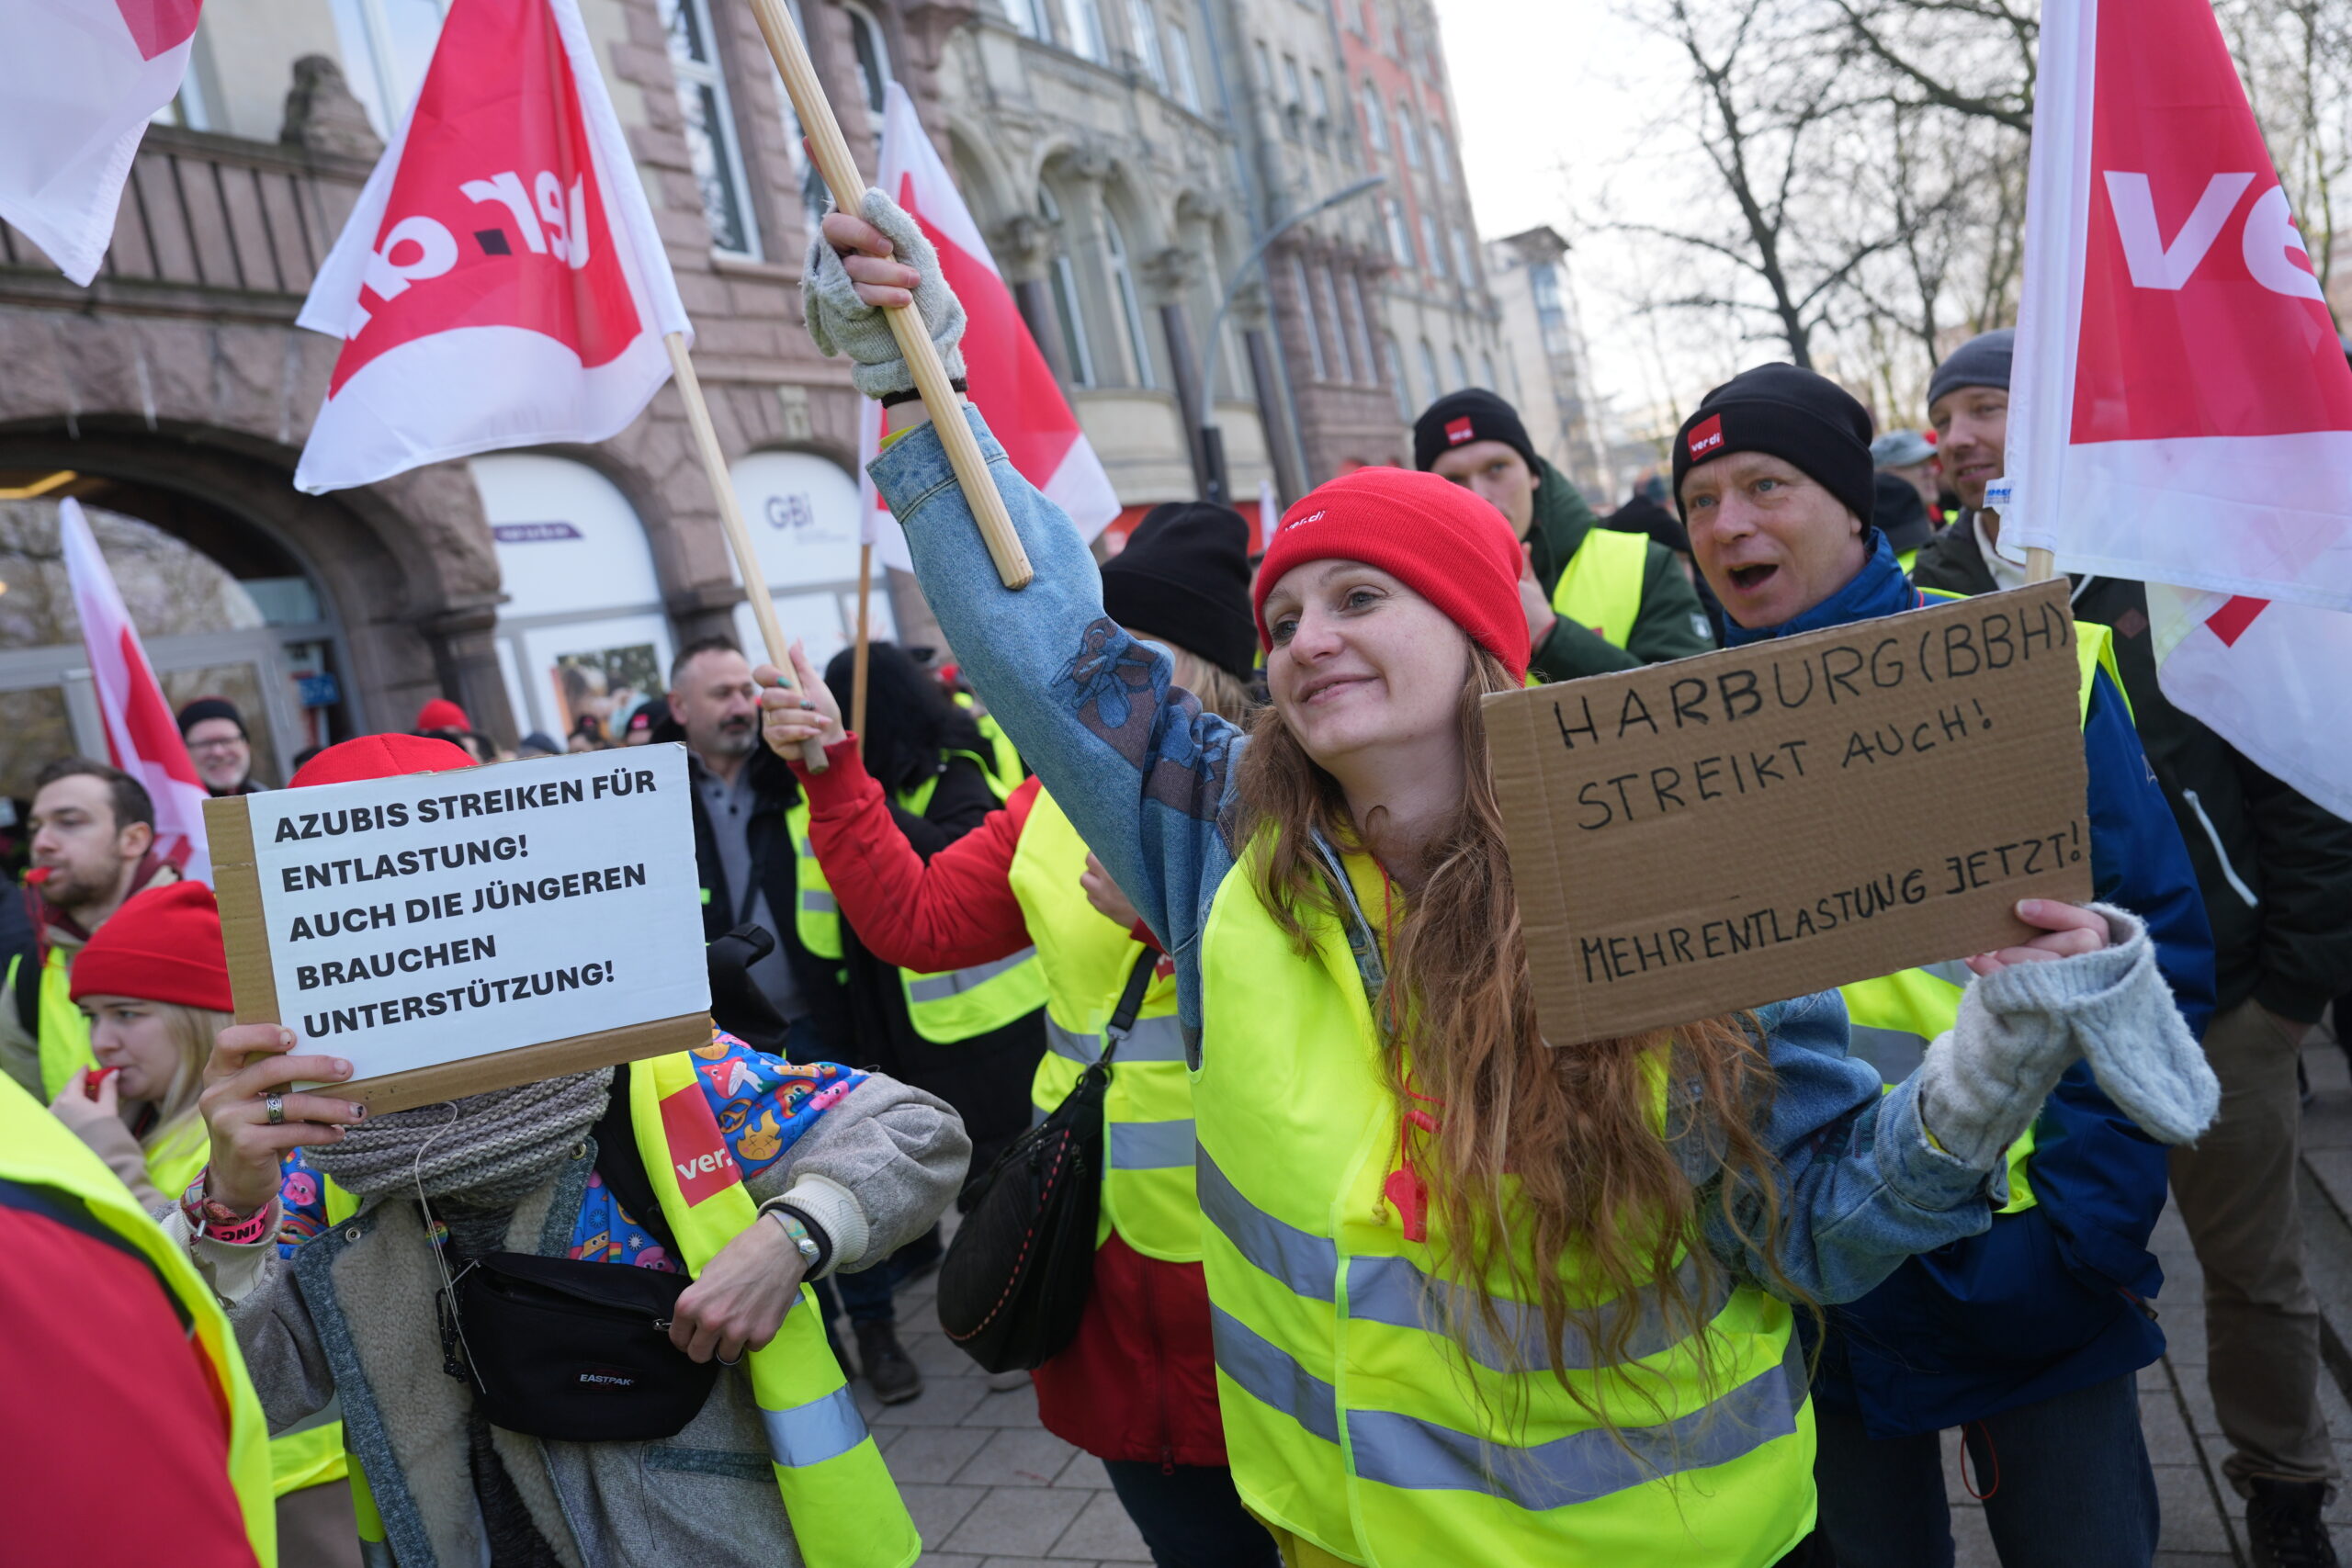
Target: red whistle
x=97 y=1076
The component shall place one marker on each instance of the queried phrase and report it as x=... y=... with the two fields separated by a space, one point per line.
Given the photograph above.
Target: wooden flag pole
x=857 y=660
x=739 y=537
x=2040 y=565
x=830 y=153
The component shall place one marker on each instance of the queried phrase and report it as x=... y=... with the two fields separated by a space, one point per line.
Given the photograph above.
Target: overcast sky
x=1560 y=103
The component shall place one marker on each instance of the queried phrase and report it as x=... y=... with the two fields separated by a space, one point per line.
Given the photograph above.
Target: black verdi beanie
x=196 y=712
x=1185 y=576
x=1459 y=418
x=1804 y=419
x=1982 y=361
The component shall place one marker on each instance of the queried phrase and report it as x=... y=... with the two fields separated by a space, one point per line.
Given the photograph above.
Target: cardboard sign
x=450 y=933
x=1752 y=824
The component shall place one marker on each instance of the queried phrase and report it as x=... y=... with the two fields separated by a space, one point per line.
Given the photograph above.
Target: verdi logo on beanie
x=1437 y=539
x=1805 y=420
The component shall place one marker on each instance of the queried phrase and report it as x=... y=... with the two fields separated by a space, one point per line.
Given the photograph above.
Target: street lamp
x=1212 y=438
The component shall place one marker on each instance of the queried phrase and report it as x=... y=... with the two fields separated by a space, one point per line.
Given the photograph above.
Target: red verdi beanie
x=442 y=713
x=1445 y=544
x=163 y=945
x=380 y=757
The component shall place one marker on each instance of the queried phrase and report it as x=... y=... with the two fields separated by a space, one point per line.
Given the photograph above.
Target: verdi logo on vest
x=698 y=1155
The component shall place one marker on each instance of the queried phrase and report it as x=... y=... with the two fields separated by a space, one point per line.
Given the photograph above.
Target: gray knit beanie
x=1982 y=361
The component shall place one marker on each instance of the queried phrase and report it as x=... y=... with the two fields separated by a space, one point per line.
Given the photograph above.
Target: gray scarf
x=483 y=1150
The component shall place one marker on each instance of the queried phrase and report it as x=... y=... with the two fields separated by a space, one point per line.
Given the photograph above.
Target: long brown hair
x=1544 y=1161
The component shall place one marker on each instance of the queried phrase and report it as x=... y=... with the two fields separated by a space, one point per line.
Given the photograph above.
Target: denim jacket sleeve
x=1860 y=1188
x=1142 y=772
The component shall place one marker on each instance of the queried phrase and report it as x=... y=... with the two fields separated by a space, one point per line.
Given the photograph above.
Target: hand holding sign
x=251 y=1062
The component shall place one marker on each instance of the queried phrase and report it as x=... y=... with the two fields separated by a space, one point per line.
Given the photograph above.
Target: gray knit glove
x=2018 y=1031
x=843 y=323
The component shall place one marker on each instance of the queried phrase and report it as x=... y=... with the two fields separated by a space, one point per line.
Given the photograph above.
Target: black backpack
x=1014 y=1283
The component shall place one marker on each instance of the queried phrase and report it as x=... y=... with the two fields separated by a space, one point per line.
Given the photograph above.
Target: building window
x=1400 y=236
x=873 y=55
x=1551 y=314
x=1306 y=319
x=1123 y=284
x=1433 y=248
x=1409 y=135
x=709 y=124
x=1486 y=373
x=1082 y=20
x=1375 y=120
x=1179 y=67
x=1465 y=267
x=1064 y=278
x=386 y=46
x=1330 y=301
x=1461 y=368
x=1320 y=103
x=1143 y=24
x=1361 y=319
x=1264 y=62
x=1358 y=18
x=1441 y=156
x=1406 y=409
x=1028 y=18
x=1428 y=371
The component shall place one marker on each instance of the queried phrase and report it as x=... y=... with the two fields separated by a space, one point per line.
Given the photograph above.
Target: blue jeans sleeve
x=2138 y=862
x=1860 y=1186
x=1141 y=769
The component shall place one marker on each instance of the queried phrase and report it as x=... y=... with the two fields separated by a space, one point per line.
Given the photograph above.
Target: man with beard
x=94 y=840
x=214 y=733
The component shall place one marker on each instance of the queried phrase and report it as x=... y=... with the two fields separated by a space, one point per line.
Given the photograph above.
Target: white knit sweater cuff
x=834 y=1208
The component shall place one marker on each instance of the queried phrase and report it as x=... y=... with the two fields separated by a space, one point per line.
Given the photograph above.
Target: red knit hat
x=163 y=945
x=442 y=713
x=1445 y=544
x=380 y=757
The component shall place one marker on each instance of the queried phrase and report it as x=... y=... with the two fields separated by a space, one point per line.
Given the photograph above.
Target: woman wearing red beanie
x=1475 y=1298
x=154 y=981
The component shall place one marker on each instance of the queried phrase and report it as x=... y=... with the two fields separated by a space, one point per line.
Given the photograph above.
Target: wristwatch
x=802 y=1242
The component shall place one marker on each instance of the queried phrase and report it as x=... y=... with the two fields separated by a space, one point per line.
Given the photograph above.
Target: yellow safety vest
x=1005 y=758
x=816 y=916
x=1601 y=587
x=1085 y=961
x=1354 y=1426
x=1895 y=1018
x=64 y=1032
x=959 y=1004
x=311 y=1454
x=845 y=1509
x=37 y=1150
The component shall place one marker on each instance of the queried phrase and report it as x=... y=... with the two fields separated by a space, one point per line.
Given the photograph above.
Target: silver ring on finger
x=274 y=1107
x=735 y=1362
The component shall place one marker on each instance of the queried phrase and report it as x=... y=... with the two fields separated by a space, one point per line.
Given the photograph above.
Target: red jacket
x=1139 y=1381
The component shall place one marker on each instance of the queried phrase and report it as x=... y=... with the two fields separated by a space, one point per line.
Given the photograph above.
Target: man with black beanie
x=2277 y=871
x=2029 y=1334
x=214 y=733
x=1597 y=600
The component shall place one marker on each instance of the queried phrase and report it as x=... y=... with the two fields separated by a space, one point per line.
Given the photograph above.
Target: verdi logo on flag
x=1007 y=375
x=2181 y=411
x=500 y=282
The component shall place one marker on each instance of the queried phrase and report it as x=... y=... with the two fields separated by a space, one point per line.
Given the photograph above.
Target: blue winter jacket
x=1146 y=776
x=2055 y=1298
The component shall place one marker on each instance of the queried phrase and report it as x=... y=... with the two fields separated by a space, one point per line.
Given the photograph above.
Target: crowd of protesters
x=1380 y=1277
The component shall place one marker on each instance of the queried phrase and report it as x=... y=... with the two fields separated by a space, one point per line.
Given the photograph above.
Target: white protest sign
x=413 y=922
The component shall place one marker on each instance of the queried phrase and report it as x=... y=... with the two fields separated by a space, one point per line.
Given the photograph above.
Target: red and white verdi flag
x=1006 y=373
x=79 y=81
x=500 y=282
x=2180 y=408
x=142 y=739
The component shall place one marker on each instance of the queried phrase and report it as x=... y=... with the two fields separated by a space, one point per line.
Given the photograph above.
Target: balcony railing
x=212 y=225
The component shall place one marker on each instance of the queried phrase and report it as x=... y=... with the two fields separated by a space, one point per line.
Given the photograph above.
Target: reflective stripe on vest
x=1085 y=961
x=1352 y=1419
x=311 y=1453
x=846 y=1510
x=37 y=1151
x=815 y=917
x=1895 y=1018
x=1601 y=587
x=64 y=1031
x=959 y=1004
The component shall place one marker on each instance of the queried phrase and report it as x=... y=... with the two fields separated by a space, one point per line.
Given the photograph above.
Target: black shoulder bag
x=579 y=1352
x=1014 y=1283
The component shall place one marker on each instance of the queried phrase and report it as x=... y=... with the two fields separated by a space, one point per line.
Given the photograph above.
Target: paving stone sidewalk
x=990 y=1488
